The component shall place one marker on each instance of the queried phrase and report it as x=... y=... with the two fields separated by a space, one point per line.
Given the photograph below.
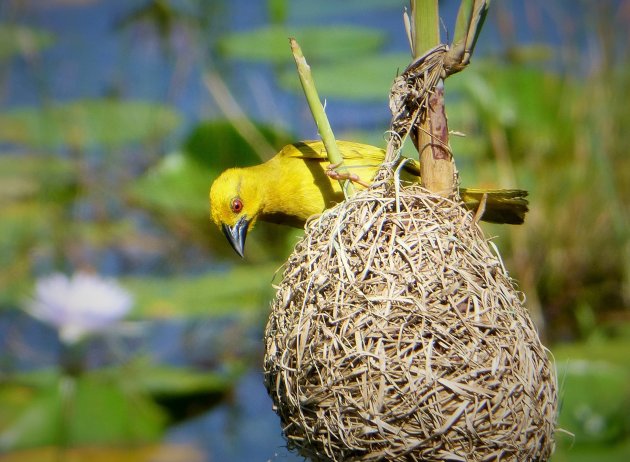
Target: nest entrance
x=397 y=334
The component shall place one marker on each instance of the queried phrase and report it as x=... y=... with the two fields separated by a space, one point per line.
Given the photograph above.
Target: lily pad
x=33 y=191
x=218 y=145
x=104 y=412
x=308 y=10
x=177 y=184
x=88 y=123
x=240 y=291
x=162 y=381
x=25 y=177
x=139 y=453
x=271 y=43
x=35 y=422
x=22 y=41
x=367 y=78
x=184 y=392
x=75 y=411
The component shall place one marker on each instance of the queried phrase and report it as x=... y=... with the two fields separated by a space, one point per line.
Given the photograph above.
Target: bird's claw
x=332 y=173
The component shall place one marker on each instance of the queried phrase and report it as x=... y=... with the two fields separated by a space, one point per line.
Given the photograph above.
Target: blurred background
x=116 y=115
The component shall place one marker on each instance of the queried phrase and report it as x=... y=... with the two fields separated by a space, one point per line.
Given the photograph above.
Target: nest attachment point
x=397 y=334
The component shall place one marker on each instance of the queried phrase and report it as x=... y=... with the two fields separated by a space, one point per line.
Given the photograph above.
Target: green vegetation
x=80 y=125
x=594 y=381
x=240 y=291
x=22 y=41
x=322 y=43
x=116 y=406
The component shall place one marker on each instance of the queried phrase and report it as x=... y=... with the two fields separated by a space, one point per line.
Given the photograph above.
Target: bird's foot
x=335 y=175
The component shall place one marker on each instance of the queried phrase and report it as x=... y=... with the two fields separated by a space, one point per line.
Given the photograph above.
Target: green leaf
x=184 y=392
x=367 y=78
x=176 y=184
x=22 y=41
x=138 y=453
x=34 y=177
x=33 y=192
x=244 y=290
x=217 y=144
x=23 y=227
x=179 y=381
x=595 y=396
x=271 y=43
x=101 y=411
x=35 y=422
x=92 y=409
x=306 y=10
x=20 y=226
x=87 y=124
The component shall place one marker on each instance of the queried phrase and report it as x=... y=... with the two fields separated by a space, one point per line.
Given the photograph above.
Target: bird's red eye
x=236 y=205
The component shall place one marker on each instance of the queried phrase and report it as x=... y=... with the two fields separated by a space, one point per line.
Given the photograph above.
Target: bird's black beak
x=236 y=235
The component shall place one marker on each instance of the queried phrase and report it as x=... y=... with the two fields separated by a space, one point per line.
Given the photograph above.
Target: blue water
x=245 y=430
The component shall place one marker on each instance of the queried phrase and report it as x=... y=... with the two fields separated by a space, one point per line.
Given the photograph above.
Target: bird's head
x=235 y=203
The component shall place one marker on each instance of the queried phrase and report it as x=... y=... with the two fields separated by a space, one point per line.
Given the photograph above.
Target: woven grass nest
x=396 y=334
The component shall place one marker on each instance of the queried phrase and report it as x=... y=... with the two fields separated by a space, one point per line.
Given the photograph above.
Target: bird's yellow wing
x=353 y=153
x=362 y=160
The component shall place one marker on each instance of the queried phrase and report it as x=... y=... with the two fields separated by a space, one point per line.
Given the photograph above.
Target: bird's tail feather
x=507 y=206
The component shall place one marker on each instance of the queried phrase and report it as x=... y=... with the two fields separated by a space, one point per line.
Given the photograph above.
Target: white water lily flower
x=80 y=305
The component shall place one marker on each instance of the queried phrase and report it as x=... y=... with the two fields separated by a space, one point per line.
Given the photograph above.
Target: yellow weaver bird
x=296 y=184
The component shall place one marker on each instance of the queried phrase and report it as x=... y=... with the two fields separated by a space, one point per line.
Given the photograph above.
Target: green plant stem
x=323 y=125
x=463 y=20
x=426 y=25
x=470 y=19
x=236 y=116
